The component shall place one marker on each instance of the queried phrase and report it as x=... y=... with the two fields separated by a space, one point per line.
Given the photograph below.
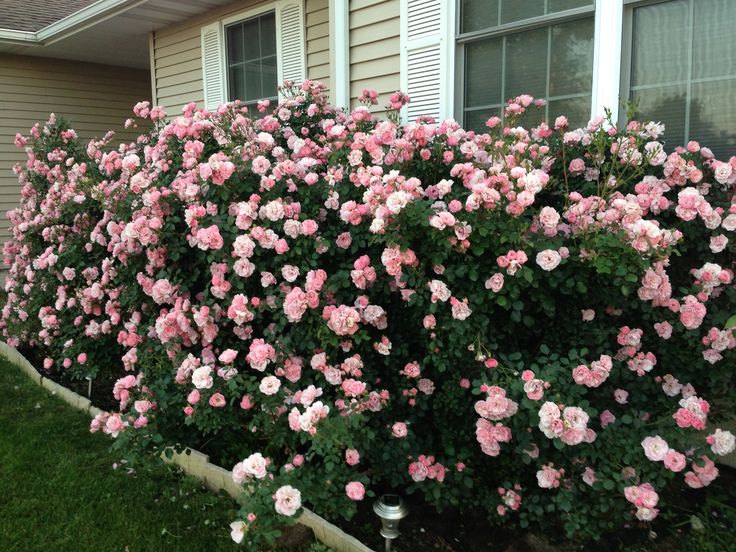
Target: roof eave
x=71 y=24
x=25 y=38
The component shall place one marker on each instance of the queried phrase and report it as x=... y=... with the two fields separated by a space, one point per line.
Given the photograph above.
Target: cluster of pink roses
x=645 y=499
x=427 y=467
x=317 y=276
x=594 y=375
x=568 y=423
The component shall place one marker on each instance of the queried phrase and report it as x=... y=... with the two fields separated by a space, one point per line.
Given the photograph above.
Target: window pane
x=660 y=47
x=252 y=81
x=236 y=79
x=235 y=44
x=577 y=110
x=252 y=40
x=667 y=105
x=476 y=120
x=516 y=10
x=268 y=35
x=560 y=5
x=531 y=117
x=571 y=58
x=526 y=64
x=270 y=77
x=713 y=116
x=714 y=39
x=483 y=72
x=478 y=14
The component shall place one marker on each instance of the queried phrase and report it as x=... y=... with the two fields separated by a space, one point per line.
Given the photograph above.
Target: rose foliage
x=529 y=323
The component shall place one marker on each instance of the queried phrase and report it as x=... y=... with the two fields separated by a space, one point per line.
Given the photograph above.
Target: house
x=90 y=61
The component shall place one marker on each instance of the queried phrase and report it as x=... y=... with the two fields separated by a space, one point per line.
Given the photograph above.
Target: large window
x=539 y=47
x=682 y=70
x=675 y=58
x=251 y=59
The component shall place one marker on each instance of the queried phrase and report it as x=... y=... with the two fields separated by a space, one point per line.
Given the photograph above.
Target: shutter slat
x=422 y=28
x=291 y=39
x=213 y=73
x=424 y=79
x=424 y=18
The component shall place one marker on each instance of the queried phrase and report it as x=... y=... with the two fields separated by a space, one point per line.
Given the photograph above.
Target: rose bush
x=531 y=323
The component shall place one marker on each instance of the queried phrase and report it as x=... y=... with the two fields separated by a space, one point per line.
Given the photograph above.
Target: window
x=682 y=70
x=675 y=58
x=252 y=70
x=539 y=47
x=247 y=54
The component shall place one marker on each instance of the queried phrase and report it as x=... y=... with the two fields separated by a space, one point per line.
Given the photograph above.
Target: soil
x=101 y=387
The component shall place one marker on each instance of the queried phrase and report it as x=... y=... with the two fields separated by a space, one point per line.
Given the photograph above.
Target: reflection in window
x=680 y=75
x=553 y=62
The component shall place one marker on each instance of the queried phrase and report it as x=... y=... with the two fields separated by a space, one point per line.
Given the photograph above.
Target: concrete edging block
x=192 y=462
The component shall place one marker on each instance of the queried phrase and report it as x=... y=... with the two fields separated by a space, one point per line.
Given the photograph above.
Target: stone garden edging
x=191 y=462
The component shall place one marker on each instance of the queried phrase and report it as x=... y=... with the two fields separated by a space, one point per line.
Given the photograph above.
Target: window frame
x=242 y=17
x=541 y=21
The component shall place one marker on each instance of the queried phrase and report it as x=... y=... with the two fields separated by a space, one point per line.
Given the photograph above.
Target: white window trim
x=339 y=21
x=607 y=52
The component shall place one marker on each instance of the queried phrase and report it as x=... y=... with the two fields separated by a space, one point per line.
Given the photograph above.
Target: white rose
x=723 y=443
x=202 y=378
x=549 y=259
x=655 y=448
x=270 y=385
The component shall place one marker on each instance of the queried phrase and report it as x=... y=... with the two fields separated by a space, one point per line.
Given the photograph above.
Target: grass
x=59 y=490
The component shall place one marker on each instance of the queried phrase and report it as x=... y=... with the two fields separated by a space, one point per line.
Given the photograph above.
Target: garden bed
x=197 y=465
x=455 y=531
x=521 y=318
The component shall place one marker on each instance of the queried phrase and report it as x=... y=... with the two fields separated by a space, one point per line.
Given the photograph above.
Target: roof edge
x=71 y=24
x=26 y=38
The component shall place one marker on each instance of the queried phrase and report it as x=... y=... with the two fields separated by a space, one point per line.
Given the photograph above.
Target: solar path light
x=390 y=508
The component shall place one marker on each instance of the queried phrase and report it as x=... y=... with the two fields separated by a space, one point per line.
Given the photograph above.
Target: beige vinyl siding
x=93 y=98
x=374 y=48
x=177 y=52
x=318 y=40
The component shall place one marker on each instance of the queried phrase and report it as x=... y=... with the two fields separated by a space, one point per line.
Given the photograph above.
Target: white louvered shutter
x=290 y=39
x=426 y=72
x=213 y=65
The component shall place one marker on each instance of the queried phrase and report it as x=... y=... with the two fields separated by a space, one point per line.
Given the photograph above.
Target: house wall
x=374 y=48
x=177 y=53
x=93 y=98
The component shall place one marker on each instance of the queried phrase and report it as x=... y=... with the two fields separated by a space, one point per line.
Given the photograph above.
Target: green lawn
x=59 y=491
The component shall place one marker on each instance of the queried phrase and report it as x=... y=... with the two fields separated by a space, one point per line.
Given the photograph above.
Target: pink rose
x=228 y=356
x=675 y=461
x=355 y=490
x=352 y=457
x=217 y=400
x=495 y=282
x=399 y=430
